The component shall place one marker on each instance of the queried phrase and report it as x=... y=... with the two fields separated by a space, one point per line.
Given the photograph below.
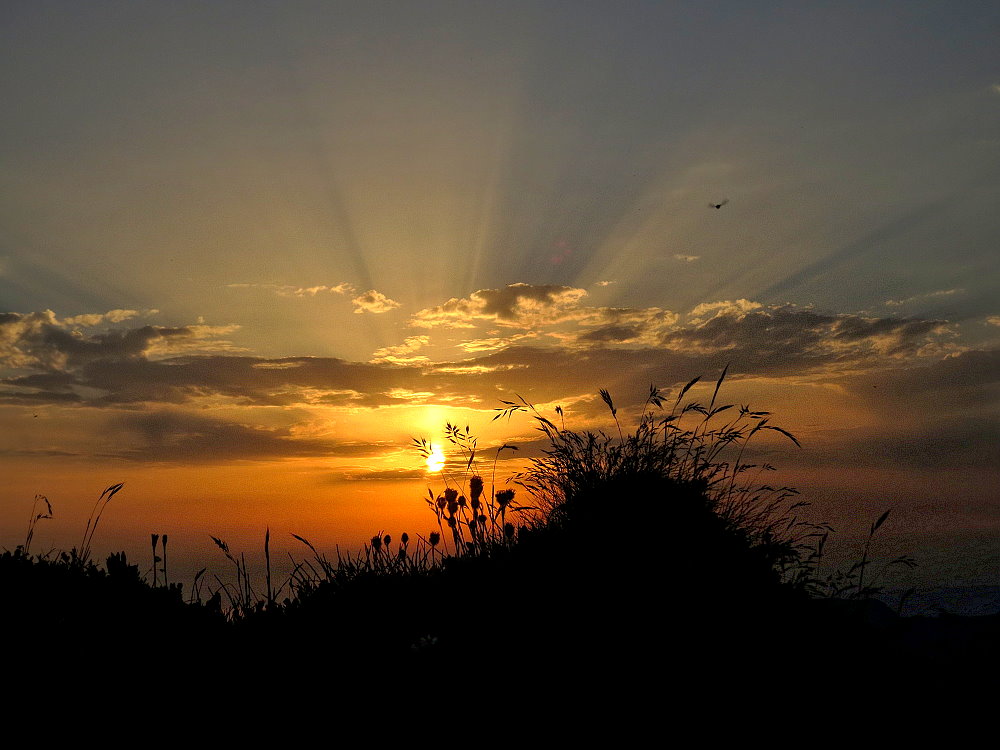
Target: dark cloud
x=40 y=397
x=53 y=380
x=171 y=436
x=506 y=303
x=44 y=452
x=612 y=334
x=112 y=345
x=250 y=380
x=787 y=338
x=53 y=387
x=41 y=340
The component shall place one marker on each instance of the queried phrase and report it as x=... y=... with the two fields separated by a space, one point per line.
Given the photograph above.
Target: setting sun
x=435 y=461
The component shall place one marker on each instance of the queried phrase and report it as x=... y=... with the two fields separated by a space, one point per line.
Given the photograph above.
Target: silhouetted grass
x=657 y=546
x=665 y=475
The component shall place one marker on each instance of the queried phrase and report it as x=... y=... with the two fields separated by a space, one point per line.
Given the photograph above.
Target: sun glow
x=435 y=461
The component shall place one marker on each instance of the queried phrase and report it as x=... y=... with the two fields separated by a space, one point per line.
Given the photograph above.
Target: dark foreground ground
x=695 y=613
x=510 y=624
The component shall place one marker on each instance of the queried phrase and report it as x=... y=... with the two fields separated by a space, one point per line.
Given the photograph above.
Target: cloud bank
x=157 y=383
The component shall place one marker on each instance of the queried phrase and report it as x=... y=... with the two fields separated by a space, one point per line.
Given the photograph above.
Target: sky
x=250 y=250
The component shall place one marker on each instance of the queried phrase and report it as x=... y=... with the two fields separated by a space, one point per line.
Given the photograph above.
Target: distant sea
x=956 y=600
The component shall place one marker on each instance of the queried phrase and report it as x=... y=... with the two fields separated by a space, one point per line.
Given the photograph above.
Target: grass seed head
x=475 y=488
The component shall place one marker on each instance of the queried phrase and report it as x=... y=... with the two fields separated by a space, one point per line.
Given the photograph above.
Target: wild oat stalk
x=153 y=539
x=95 y=518
x=36 y=516
x=852 y=583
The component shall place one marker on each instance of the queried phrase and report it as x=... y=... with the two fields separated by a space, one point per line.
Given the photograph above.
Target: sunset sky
x=248 y=251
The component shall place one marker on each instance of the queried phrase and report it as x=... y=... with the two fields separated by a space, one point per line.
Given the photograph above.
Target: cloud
x=312 y=291
x=922 y=297
x=157 y=401
x=400 y=354
x=995 y=88
x=41 y=340
x=112 y=316
x=170 y=436
x=543 y=314
x=686 y=258
x=588 y=348
x=515 y=305
x=290 y=290
x=605 y=283
x=245 y=380
x=993 y=320
x=373 y=302
x=789 y=337
x=496 y=343
x=620 y=326
x=365 y=475
x=709 y=310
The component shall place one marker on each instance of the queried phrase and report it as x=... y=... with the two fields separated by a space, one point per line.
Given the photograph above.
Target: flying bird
x=720 y=204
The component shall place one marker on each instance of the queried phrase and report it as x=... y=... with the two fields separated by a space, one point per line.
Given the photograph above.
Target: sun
x=435 y=460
